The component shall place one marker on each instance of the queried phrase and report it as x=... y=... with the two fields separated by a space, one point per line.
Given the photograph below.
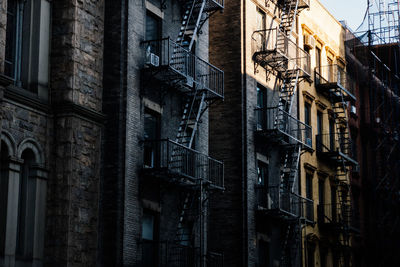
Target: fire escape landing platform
x=178 y=164
x=170 y=63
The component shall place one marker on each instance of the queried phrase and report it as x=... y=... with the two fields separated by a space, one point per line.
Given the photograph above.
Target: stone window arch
x=9 y=189
x=24 y=182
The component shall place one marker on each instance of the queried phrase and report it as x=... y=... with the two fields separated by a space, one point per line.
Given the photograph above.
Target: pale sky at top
x=352 y=11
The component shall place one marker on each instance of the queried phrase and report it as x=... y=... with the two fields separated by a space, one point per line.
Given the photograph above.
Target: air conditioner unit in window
x=152 y=60
x=309 y=41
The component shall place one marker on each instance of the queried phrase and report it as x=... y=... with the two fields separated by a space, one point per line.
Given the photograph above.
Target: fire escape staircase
x=195 y=105
x=289 y=173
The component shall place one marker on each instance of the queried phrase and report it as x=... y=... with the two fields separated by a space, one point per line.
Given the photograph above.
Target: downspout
x=244 y=136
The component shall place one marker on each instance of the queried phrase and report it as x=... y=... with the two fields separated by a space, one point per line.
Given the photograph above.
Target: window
x=307 y=113
x=260 y=20
x=333 y=203
x=318 y=58
x=330 y=70
x=331 y=134
x=17 y=40
x=263 y=253
x=261 y=26
x=310 y=255
x=149 y=237
x=153 y=26
x=3 y=196
x=319 y=122
x=321 y=191
x=26 y=216
x=261 y=105
x=323 y=256
x=262 y=171
x=309 y=194
x=27 y=45
x=151 y=133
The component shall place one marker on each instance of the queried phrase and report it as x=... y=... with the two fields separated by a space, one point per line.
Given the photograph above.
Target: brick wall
x=226 y=213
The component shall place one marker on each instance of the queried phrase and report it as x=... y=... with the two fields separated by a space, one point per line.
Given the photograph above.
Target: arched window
x=27 y=44
x=4 y=153
x=26 y=214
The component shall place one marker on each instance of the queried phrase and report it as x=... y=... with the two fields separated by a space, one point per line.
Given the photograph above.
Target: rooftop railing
x=272 y=47
x=333 y=76
x=173 y=158
x=276 y=119
x=167 y=54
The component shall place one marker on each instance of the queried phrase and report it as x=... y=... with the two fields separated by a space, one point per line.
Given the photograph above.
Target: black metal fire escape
x=274 y=50
x=336 y=146
x=200 y=84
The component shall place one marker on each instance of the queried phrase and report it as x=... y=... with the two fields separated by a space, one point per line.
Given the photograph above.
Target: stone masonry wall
x=76 y=81
x=3 y=23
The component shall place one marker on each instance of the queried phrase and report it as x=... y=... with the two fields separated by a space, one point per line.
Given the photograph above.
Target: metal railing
x=182 y=62
x=215 y=259
x=334 y=214
x=164 y=254
x=274 y=198
x=307 y=209
x=334 y=74
x=269 y=119
x=301 y=4
x=175 y=158
x=214 y=5
x=334 y=142
x=276 y=46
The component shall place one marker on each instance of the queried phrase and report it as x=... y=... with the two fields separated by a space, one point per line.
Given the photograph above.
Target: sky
x=352 y=11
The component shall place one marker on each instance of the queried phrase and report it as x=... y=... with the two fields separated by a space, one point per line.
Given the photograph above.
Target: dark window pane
x=262 y=173
x=307 y=113
x=263 y=253
x=153 y=27
x=10 y=39
x=151 y=132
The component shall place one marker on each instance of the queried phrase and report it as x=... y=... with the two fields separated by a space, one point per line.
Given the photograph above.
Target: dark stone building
x=51 y=71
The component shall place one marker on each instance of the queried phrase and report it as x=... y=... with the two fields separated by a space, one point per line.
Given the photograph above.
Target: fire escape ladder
x=291 y=244
x=342 y=124
x=288 y=89
x=190 y=23
x=290 y=169
x=192 y=112
x=289 y=13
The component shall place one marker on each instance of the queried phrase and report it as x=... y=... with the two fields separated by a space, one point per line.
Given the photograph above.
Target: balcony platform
x=274 y=202
x=302 y=3
x=169 y=63
x=272 y=48
x=171 y=162
x=333 y=219
x=282 y=128
x=328 y=148
x=333 y=82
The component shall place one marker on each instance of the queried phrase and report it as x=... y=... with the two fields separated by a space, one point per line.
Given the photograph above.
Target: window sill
x=25 y=97
x=5 y=80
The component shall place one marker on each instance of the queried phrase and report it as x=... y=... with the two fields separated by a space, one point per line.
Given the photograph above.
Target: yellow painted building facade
x=324 y=172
